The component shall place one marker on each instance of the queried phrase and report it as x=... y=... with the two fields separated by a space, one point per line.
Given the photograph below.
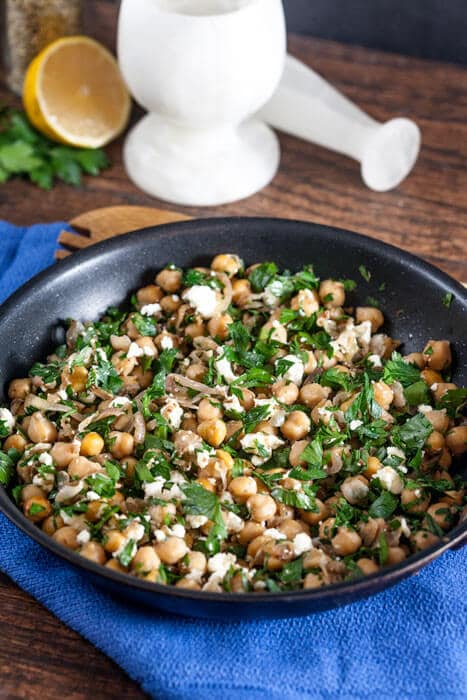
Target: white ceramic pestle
x=307 y=106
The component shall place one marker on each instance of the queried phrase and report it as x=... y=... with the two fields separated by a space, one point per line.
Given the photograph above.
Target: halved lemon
x=74 y=93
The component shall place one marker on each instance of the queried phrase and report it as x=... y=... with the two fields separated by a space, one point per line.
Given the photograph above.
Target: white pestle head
x=390 y=154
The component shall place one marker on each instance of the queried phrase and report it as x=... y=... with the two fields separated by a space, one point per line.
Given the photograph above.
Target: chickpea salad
x=238 y=430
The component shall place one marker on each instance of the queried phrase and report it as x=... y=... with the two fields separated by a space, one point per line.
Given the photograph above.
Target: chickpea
x=296 y=451
x=95 y=510
x=170 y=303
x=188 y=584
x=230 y=264
x=296 y=426
x=115 y=565
x=431 y=377
x=225 y=458
x=19 y=388
x=114 y=540
x=291 y=527
x=275 y=554
x=373 y=466
x=274 y=330
x=423 y=539
x=285 y=392
x=332 y=293
x=395 y=555
x=207 y=484
x=346 y=541
x=265 y=426
x=369 y=313
x=242 y=488
x=416 y=358
x=241 y=292
x=66 y=536
x=145 y=561
x=367 y=566
x=194 y=561
x=31 y=491
x=438 y=419
x=37 y=508
x=313 y=581
x=218 y=326
x=441 y=514
x=355 y=489
x=149 y=295
x=195 y=329
x=307 y=301
x=321 y=413
x=238 y=583
x=63 y=453
x=94 y=552
x=213 y=431
x=122 y=444
x=456 y=440
x=209 y=410
x=169 y=280
x=313 y=518
x=261 y=507
x=52 y=524
x=434 y=442
x=171 y=550
x=437 y=354
x=442 y=388
x=247 y=400
x=249 y=532
x=383 y=394
x=91 y=445
x=414 y=500
x=311 y=394
x=196 y=371
x=144 y=379
x=81 y=467
x=40 y=429
x=78 y=378
x=15 y=442
x=311 y=362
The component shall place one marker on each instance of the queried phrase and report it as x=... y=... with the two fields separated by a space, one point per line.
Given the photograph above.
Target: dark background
x=426 y=28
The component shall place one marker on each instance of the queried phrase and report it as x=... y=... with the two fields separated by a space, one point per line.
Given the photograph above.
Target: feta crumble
x=203 y=299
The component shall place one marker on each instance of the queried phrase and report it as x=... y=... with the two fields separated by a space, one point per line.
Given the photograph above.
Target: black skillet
x=84 y=285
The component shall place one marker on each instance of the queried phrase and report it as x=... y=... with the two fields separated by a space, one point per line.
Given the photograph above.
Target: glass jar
x=29 y=25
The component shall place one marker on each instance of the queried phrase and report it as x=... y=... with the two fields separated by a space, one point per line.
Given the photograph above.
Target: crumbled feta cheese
x=177 y=530
x=259 y=585
x=213 y=585
x=196 y=521
x=159 y=535
x=45 y=458
x=150 y=309
x=375 y=360
x=261 y=445
x=173 y=413
x=61 y=393
x=434 y=386
x=135 y=531
x=396 y=452
x=203 y=299
x=269 y=298
x=390 y=480
x=7 y=418
x=302 y=543
x=233 y=404
x=202 y=458
x=166 y=342
x=405 y=529
x=233 y=522
x=92 y=496
x=363 y=333
x=83 y=537
x=424 y=408
x=224 y=367
x=154 y=489
x=135 y=351
x=276 y=414
x=220 y=563
x=119 y=402
x=295 y=371
x=354 y=424
x=275 y=534
x=68 y=492
x=176 y=477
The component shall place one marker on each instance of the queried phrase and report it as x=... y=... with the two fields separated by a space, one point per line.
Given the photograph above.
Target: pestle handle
x=307 y=106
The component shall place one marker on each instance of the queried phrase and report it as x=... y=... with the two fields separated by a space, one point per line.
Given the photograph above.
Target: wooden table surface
x=427 y=215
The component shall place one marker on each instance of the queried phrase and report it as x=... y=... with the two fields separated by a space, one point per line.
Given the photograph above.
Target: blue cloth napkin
x=407 y=642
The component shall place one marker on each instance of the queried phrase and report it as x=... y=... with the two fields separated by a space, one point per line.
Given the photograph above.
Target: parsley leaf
x=297 y=499
x=49 y=373
x=383 y=506
x=453 y=401
x=417 y=394
x=6 y=468
x=398 y=370
x=254 y=416
x=262 y=275
x=413 y=433
x=146 y=325
x=104 y=375
x=366 y=274
x=447 y=299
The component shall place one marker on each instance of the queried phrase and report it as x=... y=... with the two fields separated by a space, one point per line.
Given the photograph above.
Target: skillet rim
x=357 y=588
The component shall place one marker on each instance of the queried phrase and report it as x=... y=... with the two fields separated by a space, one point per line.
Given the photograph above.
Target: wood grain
x=427 y=215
